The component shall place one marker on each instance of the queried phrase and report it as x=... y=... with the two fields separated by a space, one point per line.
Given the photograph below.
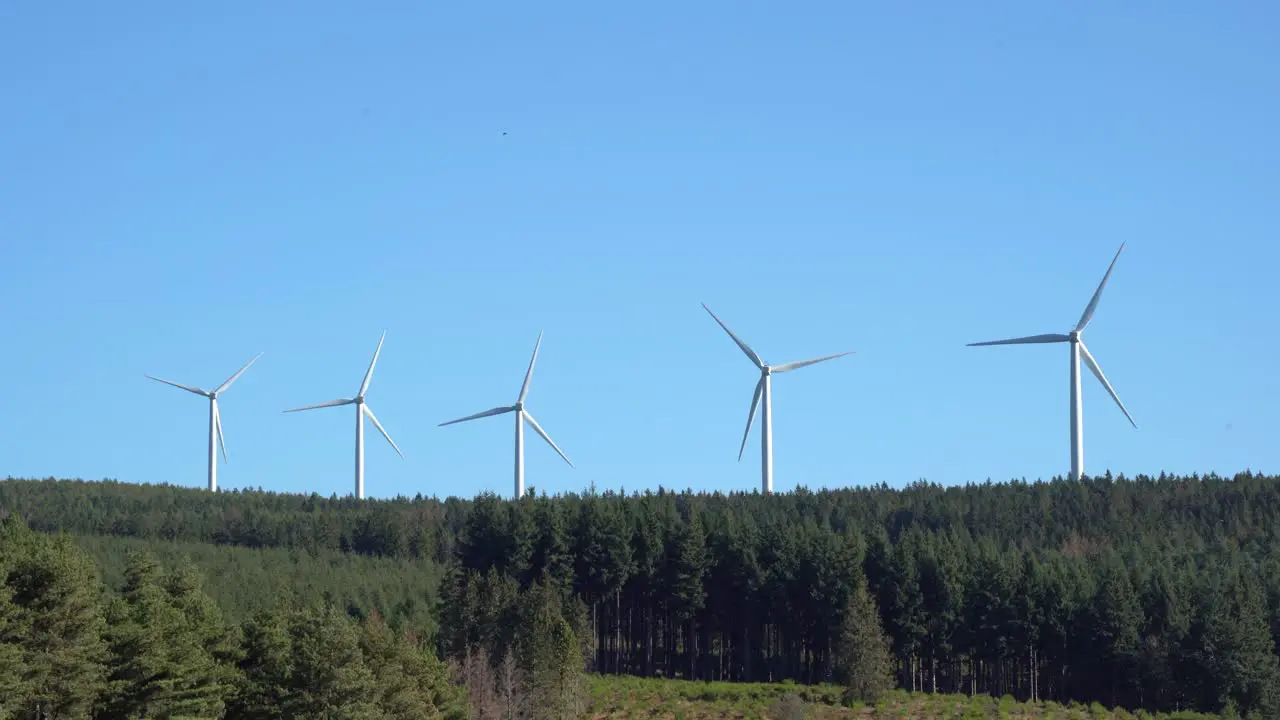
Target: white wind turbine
x=1078 y=351
x=763 y=392
x=362 y=410
x=522 y=416
x=215 y=419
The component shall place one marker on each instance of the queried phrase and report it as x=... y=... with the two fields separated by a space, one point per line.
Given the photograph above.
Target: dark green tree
x=865 y=664
x=411 y=682
x=56 y=602
x=171 y=654
x=549 y=658
x=329 y=677
x=265 y=668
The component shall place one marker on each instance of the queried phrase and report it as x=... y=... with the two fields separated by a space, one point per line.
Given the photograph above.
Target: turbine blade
x=524 y=389
x=198 y=391
x=538 y=429
x=755 y=400
x=217 y=423
x=805 y=363
x=239 y=372
x=486 y=413
x=369 y=414
x=331 y=403
x=1093 y=304
x=750 y=353
x=1097 y=372
x=1051 y=338
x=364 y=386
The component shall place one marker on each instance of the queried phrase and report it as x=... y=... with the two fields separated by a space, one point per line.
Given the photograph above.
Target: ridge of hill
x=1041 y=513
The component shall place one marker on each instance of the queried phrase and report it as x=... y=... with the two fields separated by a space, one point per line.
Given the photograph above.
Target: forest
x=1161 y=593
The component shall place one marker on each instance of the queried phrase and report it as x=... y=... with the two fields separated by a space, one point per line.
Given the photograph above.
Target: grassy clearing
x=629 y=697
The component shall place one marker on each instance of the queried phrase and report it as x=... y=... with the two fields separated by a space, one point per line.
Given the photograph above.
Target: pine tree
x=411 y=683
x=1118 y=619
x=13 y=685
x=549 y=658
x=172 y=655
x=266 y=665
x=865 y=664
x=688 y=591
x=1239 y=656
x=329 y=677
x=58 y=598
x=221 y=642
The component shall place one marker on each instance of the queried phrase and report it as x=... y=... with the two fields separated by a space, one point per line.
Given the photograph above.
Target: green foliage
x=54 y=626
x=864 y=662
x=160 y=648
x=412 y=682
x=171 y=653
x=402 y=589
x=548 y=657
x=1155 y=591
x=329 y=677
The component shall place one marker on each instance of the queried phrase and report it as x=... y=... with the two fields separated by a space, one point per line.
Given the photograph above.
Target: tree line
x=1152 y=592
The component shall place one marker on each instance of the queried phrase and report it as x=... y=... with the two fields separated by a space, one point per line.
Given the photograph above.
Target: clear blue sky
x=183 y=187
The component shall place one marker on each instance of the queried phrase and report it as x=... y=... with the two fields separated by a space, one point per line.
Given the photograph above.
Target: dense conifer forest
x=1160 y=593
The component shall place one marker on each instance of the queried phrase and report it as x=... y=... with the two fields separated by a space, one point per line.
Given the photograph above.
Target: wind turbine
x=215 y=419
x=1078 y=351
x=362 y=410
x=522 y=417
x=763 y=392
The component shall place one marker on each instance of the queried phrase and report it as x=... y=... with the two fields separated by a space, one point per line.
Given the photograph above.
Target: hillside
x=1154 y=592
x=244 y=580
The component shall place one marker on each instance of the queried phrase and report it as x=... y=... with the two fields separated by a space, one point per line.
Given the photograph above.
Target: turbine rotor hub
x=1074 y=336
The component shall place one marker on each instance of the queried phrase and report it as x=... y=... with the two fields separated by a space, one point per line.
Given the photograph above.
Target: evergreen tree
x=56 y=602
x=171 y=654
x=549 y=658
x=266 y=665
x=14 y=693
x=1117 y=623
x=688 y=592
x=865 y=663
x=411 y=684
x=329 y=677
x=1238 y=656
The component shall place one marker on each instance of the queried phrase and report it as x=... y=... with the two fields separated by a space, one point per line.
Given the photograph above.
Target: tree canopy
x=1151 y=592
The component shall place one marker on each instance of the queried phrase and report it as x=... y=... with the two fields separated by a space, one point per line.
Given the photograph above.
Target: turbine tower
x=522 y=417
x=362 y=410
x=215 y=419
x=1078 y=351
x=763 y=394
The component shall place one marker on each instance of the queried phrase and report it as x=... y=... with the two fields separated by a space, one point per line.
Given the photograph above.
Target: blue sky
x=182 y=187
